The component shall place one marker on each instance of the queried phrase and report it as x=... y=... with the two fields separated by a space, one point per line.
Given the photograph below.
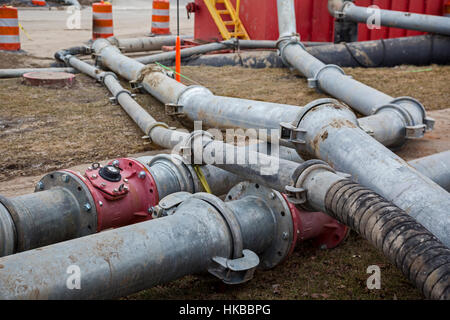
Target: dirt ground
x=48 y=129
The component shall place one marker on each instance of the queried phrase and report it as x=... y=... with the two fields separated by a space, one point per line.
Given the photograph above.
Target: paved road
x=49 y=32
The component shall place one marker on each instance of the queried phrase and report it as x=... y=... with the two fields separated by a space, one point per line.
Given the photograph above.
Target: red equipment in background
x=314 y=23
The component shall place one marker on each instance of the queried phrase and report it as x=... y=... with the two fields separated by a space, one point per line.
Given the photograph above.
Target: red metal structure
x=314 y=23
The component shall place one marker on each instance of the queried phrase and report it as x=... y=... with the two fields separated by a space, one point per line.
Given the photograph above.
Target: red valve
x=124 y=192
x=191 y=7
x=325 y=232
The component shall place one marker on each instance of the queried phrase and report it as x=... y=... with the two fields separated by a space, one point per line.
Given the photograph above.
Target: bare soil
x=47 y=129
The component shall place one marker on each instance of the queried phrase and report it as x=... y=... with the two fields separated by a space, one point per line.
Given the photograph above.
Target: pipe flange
x=190 y=91
x=232 y=222
x=185 y=173
x=314 y=83
x=8 y=235
x=188 y=146
x=428 y=122
x=153 y=126
x=78 y=187
x=284 y=227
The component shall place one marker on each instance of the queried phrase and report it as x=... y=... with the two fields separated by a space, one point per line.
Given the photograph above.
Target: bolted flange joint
x=280 y=247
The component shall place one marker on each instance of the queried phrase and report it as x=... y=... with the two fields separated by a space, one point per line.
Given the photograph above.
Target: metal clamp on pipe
x=194 y=144
x=102 y=76
x=314 y=82
x=292 y=133
x=296 y=193
x=114 y=100
x=414 y=128
x=284 y=42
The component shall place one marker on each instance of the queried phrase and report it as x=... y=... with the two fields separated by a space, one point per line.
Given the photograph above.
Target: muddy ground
x=47 y=129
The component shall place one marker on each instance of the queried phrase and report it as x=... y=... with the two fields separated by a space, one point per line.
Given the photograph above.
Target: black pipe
x=420 y=50
x=412 y=248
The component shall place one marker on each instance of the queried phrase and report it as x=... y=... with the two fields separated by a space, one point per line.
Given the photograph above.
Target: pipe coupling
x=284 y=42
x=240 y=266
x=174 y=164
x=413 y=114
x=193 y=146
x=296 y=193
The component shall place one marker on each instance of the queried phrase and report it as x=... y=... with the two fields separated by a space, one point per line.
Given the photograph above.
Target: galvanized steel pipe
x=330 y=131
x=364 y=99
x=436 y=167
x=348 y=11
x=417 y=50
x=126 y=260
x=210 y=47
x=145 y=43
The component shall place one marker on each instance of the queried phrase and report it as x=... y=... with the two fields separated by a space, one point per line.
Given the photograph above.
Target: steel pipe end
x=335 y=7
x=7 y=233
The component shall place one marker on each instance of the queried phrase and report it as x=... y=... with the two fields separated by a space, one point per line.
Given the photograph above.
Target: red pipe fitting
x=324 y=231
x=124 y=192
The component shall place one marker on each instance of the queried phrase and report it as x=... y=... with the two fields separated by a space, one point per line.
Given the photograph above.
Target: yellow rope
x=202 y=178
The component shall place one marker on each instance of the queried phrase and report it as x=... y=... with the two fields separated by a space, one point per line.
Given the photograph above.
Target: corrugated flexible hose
x=411 y=247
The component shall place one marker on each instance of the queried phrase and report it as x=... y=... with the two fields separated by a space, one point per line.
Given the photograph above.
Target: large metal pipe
x=330 y=131
x=402 y=192
x=347 y=10
x=436 y=167
x=364 y=99
x=145 y=43
x=203 y=232
x=418 y=50
x=210 y=47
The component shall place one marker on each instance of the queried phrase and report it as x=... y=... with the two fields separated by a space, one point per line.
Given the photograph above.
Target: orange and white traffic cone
x=161 y=17
x=102 y=25
x=9 y=29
